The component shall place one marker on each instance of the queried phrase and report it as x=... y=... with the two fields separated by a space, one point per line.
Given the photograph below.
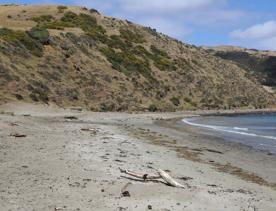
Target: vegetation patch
x=127 y=63
x=23 y=38
x=175 y=101
x=61 y=8
x=43 y=18
x=39 y=91
x=70 y=19
x=115 y=41
x=40 y=34
x=131 y=36
x=162 y=60
x=153 y=108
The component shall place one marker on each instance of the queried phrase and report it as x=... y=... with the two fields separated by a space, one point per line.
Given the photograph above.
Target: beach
x=69 y=159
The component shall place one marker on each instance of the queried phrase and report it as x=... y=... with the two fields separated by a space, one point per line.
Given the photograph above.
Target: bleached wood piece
x=168 y=179
x=140 y=175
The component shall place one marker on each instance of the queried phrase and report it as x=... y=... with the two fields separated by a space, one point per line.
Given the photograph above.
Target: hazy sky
x=248 y=23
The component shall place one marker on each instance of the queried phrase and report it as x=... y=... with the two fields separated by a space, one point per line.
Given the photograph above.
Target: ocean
x=254 y=130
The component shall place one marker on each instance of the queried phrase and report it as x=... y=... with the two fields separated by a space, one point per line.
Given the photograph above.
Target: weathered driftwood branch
x=139 y=175
x=167 y=178
x=161 y=175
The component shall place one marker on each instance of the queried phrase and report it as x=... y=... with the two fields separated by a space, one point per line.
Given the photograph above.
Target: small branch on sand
x=161 y=175
x=92 y=130
x=16 y=135
x=89 y=129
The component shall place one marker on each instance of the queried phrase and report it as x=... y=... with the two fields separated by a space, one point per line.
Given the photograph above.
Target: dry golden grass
x=78 y=74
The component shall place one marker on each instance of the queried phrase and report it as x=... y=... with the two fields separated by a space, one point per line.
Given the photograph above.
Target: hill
x=259 y=64
x=74 y=56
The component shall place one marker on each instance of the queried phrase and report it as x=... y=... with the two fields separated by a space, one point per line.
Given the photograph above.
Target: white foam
x=240 y=128
x=227 y=129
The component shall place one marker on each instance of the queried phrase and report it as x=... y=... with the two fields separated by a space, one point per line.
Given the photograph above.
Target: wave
x=235 y=130
x=240 y=128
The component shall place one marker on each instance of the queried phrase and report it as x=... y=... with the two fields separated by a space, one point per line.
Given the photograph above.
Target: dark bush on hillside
x=61 y=8
x=153 y=108
x=159 y=52
x=19 y=97
x=34 y=97
x=105 y=107
x=140 y=51
x=70 y=17
x=43 y=18
x=39 y=91
x=175 y=101
x=4 y=73
x=40 y=34
x=94 y=11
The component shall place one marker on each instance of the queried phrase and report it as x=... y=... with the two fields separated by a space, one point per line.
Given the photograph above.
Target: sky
x=246 y=23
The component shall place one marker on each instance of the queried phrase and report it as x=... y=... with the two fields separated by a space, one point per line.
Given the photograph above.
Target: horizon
x=198 y=22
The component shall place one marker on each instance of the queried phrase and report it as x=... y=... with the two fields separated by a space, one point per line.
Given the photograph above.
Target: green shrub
x=162 y=60
x=159 y=52
x=56 y=25
x=70 y=19
x=61 y=8
x=34 y=97
x=39 y=94
x=43 y=18
x=40 y=34
x=115 y=41
x=175 y=101
x=153 y=108
x=22 y=37
x=131 y=36
x=9 y=16
x=127 y=63
x=83 y=21
x=105 y=107
x=140 y=51
x=19 y=97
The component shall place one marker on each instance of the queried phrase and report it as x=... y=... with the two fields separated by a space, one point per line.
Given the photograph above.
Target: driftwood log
x=168 y=179
x=160 y=175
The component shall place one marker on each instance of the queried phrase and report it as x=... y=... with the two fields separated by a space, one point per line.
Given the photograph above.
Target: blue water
x=257 y=131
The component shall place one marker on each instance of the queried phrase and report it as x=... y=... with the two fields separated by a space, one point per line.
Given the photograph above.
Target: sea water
x=257 y=131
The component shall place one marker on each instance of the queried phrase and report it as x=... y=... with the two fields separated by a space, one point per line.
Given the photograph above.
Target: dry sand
x=57 y=166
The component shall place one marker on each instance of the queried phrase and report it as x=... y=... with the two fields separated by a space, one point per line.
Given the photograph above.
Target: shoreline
x=211 y=139
x=222 y=140
x=58 y=165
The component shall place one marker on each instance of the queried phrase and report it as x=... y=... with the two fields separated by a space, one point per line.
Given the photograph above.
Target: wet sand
x=60 y=166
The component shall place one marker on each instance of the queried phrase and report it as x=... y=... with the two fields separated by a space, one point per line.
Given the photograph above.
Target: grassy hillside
x=73 y=56
x=259 y=64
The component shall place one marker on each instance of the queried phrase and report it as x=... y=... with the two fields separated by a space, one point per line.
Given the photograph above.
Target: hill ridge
x=73 y=56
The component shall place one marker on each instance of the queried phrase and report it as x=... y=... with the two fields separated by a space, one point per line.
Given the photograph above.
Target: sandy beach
x=68 y=159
